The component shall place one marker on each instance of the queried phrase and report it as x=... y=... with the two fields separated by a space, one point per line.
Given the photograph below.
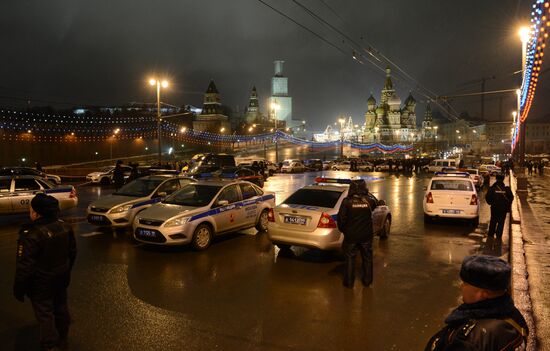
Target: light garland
x=540 y=22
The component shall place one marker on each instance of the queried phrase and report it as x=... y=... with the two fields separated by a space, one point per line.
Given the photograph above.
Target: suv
x=438 y=165
x=314 y=164
x=211 y=163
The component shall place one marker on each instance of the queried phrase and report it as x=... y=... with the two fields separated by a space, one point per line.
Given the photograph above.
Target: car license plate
x=451 y=211
x=97 y=218
x=147 y=233
x=295 y=220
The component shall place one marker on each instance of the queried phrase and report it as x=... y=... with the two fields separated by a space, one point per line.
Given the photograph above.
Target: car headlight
x=176 y=222
x=120 y=209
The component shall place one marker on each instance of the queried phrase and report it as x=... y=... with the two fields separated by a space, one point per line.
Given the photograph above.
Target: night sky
x=102 y=52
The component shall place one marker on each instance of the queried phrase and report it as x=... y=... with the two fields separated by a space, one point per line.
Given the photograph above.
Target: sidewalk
x=531 y=236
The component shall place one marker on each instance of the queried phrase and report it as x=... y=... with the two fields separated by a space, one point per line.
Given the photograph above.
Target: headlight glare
x=120 y=209
x=176 y=222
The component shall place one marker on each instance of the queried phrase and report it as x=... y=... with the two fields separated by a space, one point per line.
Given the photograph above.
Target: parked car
x=314 y=164
x=105 y=175
x=8 y=171
x=490 y=169
x=327 y=165
x=476 y=177
x=439 y=164
x=271 y=168
x=451 y=195
x=204 y=163
x=120 y=208
x=341 y=166
x=292 y=166
x=17 y=191
x=202 y=210
x=308 y=216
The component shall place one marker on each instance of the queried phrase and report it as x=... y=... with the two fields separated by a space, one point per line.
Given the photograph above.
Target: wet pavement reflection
x=245 y=293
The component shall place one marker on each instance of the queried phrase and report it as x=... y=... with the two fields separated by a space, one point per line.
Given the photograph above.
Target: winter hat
x=486 y=272
x=45 y=205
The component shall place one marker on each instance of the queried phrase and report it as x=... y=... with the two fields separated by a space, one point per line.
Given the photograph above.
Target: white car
x=438 y=165
x=342 y=166
x=119 y=208
x=308 y=216
x=491 y=169
x=16 y=193
x=105 y=175
x=199 y=211
x=477 y=178
x=292 y=166
x=451 y=195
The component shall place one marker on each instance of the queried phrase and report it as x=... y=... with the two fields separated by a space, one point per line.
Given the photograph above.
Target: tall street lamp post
x=159 y=84
x=274 y=107
x=342 y=121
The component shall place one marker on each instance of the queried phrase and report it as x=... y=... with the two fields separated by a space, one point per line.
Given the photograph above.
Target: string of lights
x=540 y=22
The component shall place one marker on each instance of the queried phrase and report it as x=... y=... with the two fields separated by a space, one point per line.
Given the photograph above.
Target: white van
x=438 y=165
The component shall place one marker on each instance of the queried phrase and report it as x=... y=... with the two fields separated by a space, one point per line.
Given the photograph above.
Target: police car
x=451 y=195
x=105 y=175
x=201 y=210
x=308 y=216
x=119 y=208
x=16 y=193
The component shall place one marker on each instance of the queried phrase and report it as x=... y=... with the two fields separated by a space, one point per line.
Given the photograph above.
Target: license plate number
x=451 y=211
x=147 y=233
x=295 y=220
x=97 y=218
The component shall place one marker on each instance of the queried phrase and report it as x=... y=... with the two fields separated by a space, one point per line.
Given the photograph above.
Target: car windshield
x=314 y=197
x=106 y=169
x=193 y=195
x=452 y=184
x=139 y=187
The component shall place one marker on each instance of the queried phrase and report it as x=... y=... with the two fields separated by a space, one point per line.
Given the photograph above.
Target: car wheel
x=261 y=226
x=428 y=219
x=202 y=237
x=385 y=231
x=105 y=181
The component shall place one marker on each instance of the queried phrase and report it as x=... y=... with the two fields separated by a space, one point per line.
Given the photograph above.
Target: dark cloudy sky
x=102 y=51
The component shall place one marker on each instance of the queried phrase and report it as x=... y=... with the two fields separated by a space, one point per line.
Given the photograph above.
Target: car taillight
x=73 y=192
x=326 y=221
x=429 y=198
x=271 y=215
x=473 y=201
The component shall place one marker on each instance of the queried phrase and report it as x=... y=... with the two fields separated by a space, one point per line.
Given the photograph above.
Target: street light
x=342 y=121
x=159 y=84
x=115 y=132
x=274 y=107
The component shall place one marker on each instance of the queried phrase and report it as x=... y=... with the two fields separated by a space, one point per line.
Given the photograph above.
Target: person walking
x=500 y=197
x=46 y=252
x=488 y=319
x=118 y=175
x=354 y=220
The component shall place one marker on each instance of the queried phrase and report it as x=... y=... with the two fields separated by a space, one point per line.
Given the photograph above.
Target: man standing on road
x=500 y=198
x=118 y=175
x=355 y=221
x=46 y=251
x=488 y=319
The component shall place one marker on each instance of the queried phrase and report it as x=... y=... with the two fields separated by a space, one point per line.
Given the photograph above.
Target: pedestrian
x=134 y=174
x=541 y=168
x=529 y=168
x=488 y=319
x=355 y=222
x=118 y=175
x=500 y=197
x=46 y=251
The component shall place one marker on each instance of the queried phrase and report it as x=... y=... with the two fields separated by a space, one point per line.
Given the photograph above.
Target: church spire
x=428 y=114
x=389 y=84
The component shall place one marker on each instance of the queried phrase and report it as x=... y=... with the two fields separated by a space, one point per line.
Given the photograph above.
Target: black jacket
x=493 y=324
x=500 y=197
x=355 y=218
x=118 y=176
x=46 y=251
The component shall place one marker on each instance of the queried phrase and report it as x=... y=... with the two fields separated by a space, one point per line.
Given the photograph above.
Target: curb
x=520 y=283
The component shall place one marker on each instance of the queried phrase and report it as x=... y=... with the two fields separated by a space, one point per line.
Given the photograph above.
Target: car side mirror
x=381 y=203
x=222 y=203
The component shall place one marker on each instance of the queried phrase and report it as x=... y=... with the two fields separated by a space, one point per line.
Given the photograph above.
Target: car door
x=230 y=216
x=23 y=192
x=250 y=203
x=5 y=196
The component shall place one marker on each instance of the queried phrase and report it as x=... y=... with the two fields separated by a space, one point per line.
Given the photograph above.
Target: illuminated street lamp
x=342 y=121
x=159 y=84
x=115 y=132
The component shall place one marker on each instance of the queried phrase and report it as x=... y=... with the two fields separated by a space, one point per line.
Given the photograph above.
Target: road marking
x=87 y=235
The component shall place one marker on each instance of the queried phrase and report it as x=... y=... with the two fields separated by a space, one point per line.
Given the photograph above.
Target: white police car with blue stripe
x=120 y=208
x=201 y=210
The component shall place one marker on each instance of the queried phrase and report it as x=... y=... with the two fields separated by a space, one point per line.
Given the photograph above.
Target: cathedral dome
x=394 y=101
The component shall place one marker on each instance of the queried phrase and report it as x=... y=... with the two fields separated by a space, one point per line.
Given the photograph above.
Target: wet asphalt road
x=243 y=294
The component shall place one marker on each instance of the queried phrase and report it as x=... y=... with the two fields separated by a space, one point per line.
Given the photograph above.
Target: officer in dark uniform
x=500 y=198
x=488 y=319
x=355 y=221
x=118 y=175
x=46 y=251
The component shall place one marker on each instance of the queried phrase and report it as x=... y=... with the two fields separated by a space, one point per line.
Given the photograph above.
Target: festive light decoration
x=31 y=127
x=540 y=21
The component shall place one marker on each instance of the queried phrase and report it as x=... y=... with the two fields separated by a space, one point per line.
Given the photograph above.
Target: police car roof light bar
x=452 y=174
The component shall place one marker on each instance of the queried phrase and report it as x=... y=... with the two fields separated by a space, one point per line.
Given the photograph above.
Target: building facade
x=212 y=118
x=280 y=103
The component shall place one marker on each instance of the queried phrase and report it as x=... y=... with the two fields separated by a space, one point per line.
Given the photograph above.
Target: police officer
x=500 y=198
x=355 y=221
x=46 y=251
x=488 y=319
x=118 y=175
